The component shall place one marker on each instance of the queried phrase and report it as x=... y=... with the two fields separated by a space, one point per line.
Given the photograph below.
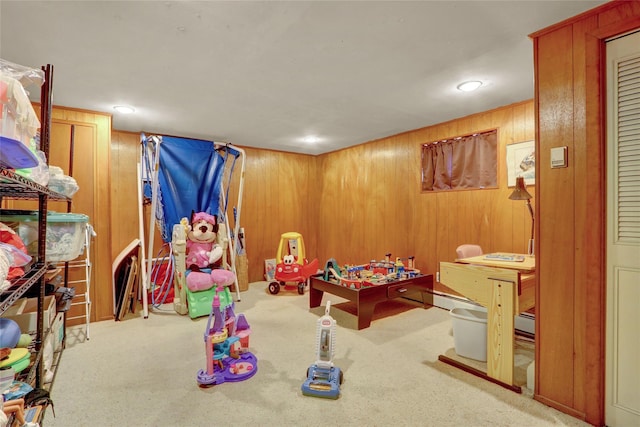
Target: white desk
x=505 y=288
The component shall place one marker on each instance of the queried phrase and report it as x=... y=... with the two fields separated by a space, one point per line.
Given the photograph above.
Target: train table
x=367 y=297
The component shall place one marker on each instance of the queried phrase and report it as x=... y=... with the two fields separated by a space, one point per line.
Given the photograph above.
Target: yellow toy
x=292 y=265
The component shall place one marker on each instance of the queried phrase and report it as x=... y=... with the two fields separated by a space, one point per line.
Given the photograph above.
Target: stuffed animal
x=204 y=255
x=202 y=249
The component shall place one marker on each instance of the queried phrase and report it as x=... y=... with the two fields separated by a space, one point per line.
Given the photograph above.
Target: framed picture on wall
x=521 y=161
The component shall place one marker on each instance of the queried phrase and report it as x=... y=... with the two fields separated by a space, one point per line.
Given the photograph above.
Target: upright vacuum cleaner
x=323 y=378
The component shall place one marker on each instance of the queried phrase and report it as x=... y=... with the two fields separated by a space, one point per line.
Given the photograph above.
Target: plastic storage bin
x=470 y=333
x=63 y=184
x=18 y=119
x=65 y=233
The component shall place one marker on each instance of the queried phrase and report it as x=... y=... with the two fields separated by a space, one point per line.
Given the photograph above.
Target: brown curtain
x=463 y=162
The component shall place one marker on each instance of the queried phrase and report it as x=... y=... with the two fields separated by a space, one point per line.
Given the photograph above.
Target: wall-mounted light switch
x=559 y=157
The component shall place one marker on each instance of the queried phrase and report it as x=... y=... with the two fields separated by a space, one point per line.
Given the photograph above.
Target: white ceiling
x=267 y=73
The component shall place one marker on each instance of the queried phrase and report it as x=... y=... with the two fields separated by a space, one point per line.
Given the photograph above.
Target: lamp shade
x=520 y=192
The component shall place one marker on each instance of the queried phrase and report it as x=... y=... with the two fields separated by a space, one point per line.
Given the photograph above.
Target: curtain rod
x=456 y=138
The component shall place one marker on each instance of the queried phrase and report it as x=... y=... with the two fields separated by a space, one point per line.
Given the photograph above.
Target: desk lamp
x=521 y=193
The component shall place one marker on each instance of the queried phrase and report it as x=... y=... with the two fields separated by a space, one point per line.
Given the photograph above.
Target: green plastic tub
x=65 y=233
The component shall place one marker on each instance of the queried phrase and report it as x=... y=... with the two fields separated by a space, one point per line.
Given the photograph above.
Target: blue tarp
x=190 y=176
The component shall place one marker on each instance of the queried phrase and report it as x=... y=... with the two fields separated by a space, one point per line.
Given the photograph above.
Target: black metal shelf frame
x=14 y=186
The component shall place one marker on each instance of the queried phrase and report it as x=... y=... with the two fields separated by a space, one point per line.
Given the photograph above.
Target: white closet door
x=622 y=407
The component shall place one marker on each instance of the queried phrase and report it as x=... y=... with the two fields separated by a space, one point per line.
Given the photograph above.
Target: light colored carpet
x=142 y=372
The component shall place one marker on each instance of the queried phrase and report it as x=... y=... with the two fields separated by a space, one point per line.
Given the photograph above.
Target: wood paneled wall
x=125 y=149
x=91 y=170
x=359 y=203
x=352 y=205
x=279 y=191
x=371 y=201
x=280 y=195
x=571 y=264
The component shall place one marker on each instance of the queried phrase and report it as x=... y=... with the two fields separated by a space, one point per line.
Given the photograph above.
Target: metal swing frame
x=148 y=172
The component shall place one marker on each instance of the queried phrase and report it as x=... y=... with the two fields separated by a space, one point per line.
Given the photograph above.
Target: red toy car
x=292 y=266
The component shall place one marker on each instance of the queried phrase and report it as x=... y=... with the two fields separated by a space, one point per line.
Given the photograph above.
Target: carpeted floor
x=142 y=372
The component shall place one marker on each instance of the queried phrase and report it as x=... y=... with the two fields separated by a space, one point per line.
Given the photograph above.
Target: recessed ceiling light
x=469 y=86
x=311 y=139
x=124 y=109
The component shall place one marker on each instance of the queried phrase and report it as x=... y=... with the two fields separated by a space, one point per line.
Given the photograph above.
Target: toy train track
x=373 y=280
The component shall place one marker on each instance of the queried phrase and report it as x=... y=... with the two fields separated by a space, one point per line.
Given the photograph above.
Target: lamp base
x=530 y=248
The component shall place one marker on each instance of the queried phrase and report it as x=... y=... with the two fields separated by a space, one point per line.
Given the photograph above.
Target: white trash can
x=470 y=333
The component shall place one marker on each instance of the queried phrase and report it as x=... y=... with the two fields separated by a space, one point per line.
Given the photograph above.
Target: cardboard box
x=57 y=331
x=242 y=270
x=52 y=343
x=25 y=313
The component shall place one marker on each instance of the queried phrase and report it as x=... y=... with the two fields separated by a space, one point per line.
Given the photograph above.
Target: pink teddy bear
x=203 y=253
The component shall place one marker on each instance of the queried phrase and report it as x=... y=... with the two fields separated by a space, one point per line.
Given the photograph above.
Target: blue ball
x=9 y=333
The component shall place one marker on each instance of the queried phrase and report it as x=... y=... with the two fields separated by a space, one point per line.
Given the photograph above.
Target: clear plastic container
x=18 y=119
x=65 y=233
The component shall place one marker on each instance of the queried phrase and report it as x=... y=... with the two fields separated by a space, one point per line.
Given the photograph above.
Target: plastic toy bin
x=65 y=233
x=470 y=333
x=18 y=119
